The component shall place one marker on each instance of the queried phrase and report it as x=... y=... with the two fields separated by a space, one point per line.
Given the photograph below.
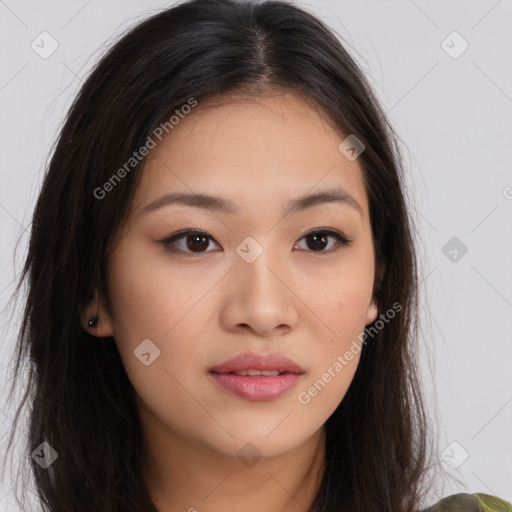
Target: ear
x=95 y=309
x=371 y=313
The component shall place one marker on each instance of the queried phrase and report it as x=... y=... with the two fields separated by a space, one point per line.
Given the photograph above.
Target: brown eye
x=318 y=240
x=196 y=242
x=199 y=242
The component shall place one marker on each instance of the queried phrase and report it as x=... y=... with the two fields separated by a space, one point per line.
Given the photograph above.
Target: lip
x=258 y=388
x=255 y=361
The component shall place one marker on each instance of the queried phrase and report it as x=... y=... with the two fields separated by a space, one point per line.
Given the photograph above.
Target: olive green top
x=464 y=502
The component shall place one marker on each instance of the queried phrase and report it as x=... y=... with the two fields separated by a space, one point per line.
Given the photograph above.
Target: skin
x=202 y=308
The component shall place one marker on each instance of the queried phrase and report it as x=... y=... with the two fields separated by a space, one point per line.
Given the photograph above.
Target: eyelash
x=339 y=237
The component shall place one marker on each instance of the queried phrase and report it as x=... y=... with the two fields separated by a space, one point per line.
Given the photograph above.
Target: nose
x=260 y=297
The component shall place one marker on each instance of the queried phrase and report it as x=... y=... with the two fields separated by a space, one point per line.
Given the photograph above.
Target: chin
x=258 y=443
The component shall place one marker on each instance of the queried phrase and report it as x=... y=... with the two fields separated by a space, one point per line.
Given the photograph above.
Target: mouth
x=256 y=364
x=257 y=377
x=254 y=373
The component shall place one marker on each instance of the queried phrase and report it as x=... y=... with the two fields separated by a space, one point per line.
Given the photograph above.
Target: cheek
x=342 y=305
x=153 y=325
x=155 y=314
x=147 y=298
x=343 y=302
x=322 y=393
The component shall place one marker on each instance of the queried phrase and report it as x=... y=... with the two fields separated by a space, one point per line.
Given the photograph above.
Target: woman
x=223 y=281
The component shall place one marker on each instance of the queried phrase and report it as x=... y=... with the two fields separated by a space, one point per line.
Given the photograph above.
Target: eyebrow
x=216 y=203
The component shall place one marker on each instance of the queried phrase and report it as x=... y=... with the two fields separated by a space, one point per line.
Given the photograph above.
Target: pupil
x=195 y=239
x=316 y=236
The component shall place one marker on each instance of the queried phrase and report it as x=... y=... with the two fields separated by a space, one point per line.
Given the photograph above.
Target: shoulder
x=464 y=502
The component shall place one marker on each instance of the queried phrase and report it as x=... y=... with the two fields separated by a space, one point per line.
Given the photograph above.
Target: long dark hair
x=80 y=399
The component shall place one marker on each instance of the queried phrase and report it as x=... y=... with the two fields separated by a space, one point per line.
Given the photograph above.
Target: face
x=259 y=277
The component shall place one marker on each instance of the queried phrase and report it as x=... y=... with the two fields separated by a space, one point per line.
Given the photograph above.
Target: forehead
x=260 y=150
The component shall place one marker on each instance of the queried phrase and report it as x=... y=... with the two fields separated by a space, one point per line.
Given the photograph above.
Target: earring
x=93 y=322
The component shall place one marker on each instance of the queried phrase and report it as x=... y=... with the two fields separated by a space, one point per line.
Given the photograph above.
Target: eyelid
x=181 y=234
x=341 y=239
x=330 y=231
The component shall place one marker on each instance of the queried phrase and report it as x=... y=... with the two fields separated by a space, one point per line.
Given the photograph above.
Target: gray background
x=454 y=116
